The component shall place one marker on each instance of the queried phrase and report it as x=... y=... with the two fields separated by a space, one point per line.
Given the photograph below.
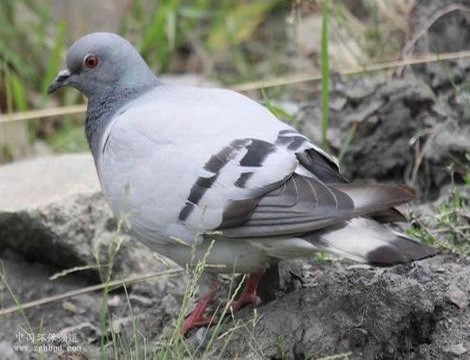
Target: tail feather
x=388 y=216
x=376 y=198
x=368 y=241
x=400 y=250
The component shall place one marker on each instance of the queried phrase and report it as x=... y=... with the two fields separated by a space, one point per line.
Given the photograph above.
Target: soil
x=416 y=311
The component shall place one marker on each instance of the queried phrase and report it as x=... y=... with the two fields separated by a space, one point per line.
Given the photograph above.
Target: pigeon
x=210 y=173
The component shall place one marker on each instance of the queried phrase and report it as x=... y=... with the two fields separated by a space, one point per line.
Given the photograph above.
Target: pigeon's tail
x=376 y=199
x=368 y=241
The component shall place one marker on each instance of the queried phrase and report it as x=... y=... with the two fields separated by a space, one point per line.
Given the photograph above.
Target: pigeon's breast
x=143 y=185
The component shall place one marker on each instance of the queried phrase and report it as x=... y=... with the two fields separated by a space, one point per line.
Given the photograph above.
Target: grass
x=449 y=227
x=211 y=37
x=325 y=76
x=32 y=50
x=29 y=328
x=114 y=344
x=276 y=110
x=221 y=39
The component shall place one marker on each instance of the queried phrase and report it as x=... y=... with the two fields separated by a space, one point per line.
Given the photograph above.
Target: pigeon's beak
x=59 y=81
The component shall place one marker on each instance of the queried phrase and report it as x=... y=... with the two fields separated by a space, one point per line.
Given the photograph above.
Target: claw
x=248 y=294
x=244 y=300
x=192 y=322
x=196 y=317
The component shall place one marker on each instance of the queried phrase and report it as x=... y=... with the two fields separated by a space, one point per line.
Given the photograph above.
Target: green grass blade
x=10 y=59
x=237 y=24
x=161 y=33
x=347 y=142
x=18 y=93
x=55 y=59
x=276 y=110
x=325 y=76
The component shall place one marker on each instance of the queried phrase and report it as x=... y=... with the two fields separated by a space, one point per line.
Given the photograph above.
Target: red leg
x=248 y=294
x=196 y=317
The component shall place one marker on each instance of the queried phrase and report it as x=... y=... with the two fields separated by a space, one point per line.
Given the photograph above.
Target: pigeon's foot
x=196 y=317
x=248 y=294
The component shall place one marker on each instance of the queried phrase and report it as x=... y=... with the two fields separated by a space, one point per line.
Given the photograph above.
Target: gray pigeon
x=188 y=166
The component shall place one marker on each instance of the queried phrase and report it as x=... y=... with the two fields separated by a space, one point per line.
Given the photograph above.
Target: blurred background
x=226 y=42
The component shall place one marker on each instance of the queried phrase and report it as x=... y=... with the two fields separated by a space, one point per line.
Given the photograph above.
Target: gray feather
x=367 y=241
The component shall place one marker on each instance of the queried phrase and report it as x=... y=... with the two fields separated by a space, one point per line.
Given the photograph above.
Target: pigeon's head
x=100 y=62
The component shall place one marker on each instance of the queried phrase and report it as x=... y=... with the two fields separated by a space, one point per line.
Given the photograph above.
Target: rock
x=57 y=215
x=448 y=32
x=85 y=330
x=400 y=130
x=457 y=297
x=457 y=349
x=140 y=300
x=7 y=351
x=170 y=306
x=395 y=313
x=30 y=184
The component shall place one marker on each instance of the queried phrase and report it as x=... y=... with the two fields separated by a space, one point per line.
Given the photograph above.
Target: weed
x=30 y=329
x=325 y=76
x=449 y=228
x=281 y=350
x=276 y=110
x=213 y=30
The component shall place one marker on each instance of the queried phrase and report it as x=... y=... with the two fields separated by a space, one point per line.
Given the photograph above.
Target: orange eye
x=90 y=61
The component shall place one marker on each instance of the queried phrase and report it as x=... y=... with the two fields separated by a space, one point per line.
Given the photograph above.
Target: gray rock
x=457 y=296
x=30 y=184
x=396 y=313
x=52 y=211
x=401 y=131
x=457 y=349
x=7 y=351
x=449 y=32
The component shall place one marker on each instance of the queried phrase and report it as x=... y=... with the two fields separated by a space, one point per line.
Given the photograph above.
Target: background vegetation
x=230 y=41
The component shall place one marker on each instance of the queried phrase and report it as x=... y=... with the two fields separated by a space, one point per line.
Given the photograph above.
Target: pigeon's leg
x=196 y=317
x=248 y=294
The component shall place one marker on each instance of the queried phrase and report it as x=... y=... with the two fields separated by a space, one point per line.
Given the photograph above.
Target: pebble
x=7 y=352
x=457 y=297
x=456 y=349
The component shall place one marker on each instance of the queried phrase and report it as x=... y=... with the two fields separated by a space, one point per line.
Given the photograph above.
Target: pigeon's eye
x=90 y=61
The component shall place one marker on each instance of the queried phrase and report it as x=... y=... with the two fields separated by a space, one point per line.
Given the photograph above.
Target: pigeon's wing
x=326 y=169
x=233 y=180
x=303 y=204
x=254 y=188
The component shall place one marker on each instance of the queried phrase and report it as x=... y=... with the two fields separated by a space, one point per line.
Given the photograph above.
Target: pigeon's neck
x=102 y=108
